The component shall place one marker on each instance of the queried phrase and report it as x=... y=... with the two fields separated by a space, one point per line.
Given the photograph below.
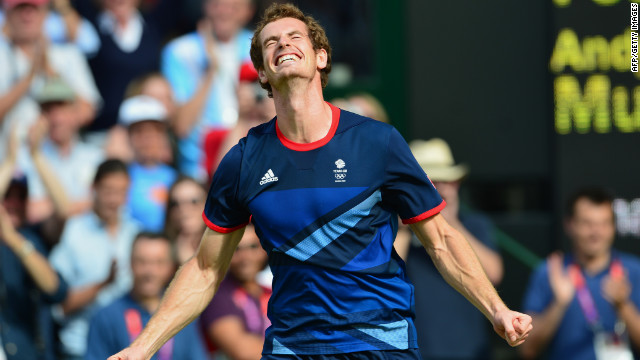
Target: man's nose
x=283 y=42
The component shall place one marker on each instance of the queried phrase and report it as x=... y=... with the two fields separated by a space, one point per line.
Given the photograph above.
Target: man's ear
x=262 y=76
x=321 y=58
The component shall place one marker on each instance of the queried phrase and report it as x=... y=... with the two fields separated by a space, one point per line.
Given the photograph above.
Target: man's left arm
x=459 y=265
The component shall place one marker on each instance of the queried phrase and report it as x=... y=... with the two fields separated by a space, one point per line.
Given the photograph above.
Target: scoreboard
x=596 y=105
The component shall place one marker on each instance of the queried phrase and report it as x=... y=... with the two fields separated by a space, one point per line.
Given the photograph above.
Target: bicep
x=216 y=248
x=432 y=232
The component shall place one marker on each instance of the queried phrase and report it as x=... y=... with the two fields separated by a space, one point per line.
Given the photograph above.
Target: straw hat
x=436 y=160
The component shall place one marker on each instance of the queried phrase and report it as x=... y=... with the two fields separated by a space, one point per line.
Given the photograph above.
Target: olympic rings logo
x=340 y=176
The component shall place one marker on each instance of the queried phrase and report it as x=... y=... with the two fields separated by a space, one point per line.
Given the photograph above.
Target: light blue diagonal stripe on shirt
x=333 y=229
x=280 y=349
x=395 y=333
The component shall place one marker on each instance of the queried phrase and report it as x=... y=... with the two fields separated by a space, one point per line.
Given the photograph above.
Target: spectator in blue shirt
x=93 y=256
x=145 y=118
x=202 y=68
x=585 y=303
x=118 y=324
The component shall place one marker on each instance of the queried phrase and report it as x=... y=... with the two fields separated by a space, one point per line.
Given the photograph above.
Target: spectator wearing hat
x=59 y=143
x=202 y=68
x=116 y=325
x=443 y=316
x=93 y=256
x=28 y=284
x=27 y=61
x=145 y=118
x=156 y=86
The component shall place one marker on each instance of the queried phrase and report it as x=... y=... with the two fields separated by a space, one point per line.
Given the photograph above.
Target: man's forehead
x=284 y=25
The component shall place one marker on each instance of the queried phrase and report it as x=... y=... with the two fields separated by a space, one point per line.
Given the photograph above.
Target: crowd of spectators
x=112 y=122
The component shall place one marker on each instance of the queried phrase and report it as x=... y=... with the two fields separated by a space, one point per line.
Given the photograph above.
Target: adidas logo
x=268 y=177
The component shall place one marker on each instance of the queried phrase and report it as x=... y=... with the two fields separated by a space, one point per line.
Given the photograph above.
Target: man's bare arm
x=190 y=292
x=459 y=265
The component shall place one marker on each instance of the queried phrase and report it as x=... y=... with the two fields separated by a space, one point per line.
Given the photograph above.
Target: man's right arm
x=189 y=293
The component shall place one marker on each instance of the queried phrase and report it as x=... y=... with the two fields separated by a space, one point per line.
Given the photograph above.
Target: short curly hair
x=317 y=36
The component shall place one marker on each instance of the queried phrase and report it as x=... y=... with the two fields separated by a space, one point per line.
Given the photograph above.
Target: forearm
x=189 y=113
x=248 y=347
x=189 y=293
x=490 y=260
x=546 y=326
x=459 y=265
x=77 y=299
x=6 y=171
x=36 y=265
x=628 y=312
x=52 y=185
x=9 y=99
x=71 y=21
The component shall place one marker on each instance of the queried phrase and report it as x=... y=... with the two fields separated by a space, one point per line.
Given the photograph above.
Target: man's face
x=147 y=140
x=227 y=17
x=592 y=228
x=111 y=194
x=288 y=53
x=25 y=22
x=63 y=121
x=151 y=266
x=249 y=258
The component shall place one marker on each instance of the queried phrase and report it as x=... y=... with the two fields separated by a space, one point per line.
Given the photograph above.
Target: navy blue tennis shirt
x=326 y=213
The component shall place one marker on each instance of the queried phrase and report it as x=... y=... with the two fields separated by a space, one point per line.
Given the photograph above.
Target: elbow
x=52 y=286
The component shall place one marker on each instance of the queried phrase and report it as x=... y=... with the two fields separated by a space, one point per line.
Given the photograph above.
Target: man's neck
x=148 y=303
x=594 y=264
x=303 y=116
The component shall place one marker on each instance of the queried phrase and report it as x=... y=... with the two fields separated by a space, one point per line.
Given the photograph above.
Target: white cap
x=141 y=108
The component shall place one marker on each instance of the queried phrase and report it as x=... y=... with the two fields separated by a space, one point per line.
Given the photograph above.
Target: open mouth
x=286 y=58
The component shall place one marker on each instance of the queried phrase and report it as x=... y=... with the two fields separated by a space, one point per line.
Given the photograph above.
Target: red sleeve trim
x=335 y=120
x=426 y=214
x=221 y=229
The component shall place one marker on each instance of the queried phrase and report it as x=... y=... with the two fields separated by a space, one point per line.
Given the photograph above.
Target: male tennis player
x=324 y=188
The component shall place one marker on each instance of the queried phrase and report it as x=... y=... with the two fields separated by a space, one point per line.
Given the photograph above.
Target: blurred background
x=536 y=97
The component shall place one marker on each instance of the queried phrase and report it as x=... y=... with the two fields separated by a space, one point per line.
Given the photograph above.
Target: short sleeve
x=223 y=211
x=407 y=189
x=538 y=294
